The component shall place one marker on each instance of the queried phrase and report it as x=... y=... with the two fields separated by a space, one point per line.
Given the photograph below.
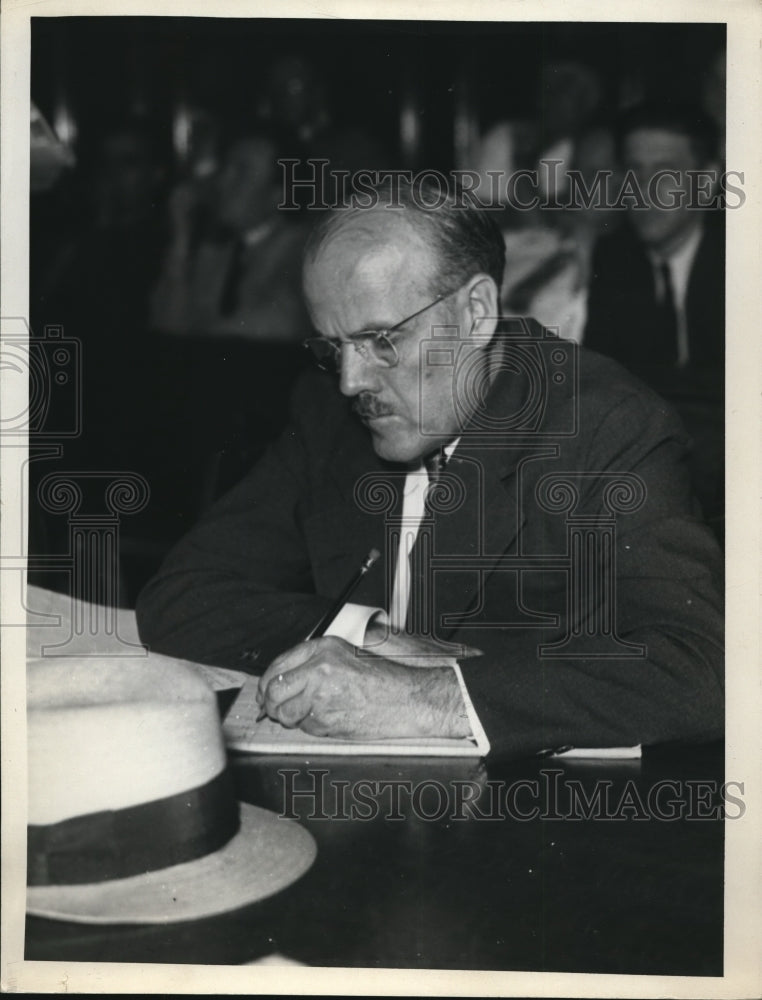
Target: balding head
x=364 y=245
x=462 y=239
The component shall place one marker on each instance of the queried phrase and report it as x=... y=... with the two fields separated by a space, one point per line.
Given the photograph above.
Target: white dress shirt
x=352 y=621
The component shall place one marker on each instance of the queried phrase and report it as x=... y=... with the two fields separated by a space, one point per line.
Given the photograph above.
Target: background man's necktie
x=435 y=464
x=231 y=288
x=667 y=312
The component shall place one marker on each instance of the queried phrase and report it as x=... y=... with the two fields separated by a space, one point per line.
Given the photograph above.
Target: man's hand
x=413 y=650
x=325 y=688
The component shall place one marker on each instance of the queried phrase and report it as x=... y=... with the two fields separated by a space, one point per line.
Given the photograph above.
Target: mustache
x=367 y=406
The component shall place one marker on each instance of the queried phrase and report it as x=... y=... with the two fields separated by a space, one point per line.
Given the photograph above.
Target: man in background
x=240 y=275
x=657 y=294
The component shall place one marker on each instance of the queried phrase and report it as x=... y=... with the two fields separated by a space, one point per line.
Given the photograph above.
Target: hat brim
x=267 y=854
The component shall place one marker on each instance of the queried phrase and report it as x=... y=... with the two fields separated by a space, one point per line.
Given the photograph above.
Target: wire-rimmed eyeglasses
x=373 y=346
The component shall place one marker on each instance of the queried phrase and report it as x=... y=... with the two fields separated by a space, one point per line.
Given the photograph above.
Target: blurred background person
x=96 y=282
x=241 y=277
x=570 y=100
x=567 y=102
x=96 y=242
x=294 y=98
x=48 y=156
x=296 y=103
x=555 y=290
x=657 y=293
x=548 y=248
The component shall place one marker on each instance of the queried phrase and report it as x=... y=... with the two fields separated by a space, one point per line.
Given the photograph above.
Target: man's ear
x=483 y=307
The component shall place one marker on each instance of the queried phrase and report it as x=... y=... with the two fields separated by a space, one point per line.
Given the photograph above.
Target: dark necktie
x=667 y=311
x=435 y=464
x=231 y=288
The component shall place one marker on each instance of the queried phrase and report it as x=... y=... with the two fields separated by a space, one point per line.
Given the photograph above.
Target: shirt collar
x=684 y=254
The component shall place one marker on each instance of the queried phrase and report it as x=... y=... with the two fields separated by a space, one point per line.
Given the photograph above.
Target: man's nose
x=357 y=374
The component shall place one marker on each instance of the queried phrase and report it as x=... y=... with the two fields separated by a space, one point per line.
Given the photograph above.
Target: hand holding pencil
x=330 y=616
x=326 y=688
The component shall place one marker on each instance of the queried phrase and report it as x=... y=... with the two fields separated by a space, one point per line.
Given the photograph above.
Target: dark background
x=108 y=65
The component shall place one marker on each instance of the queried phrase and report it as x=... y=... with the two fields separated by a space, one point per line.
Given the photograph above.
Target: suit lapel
x=486 y=524
x=485 y=527
x=706 y=297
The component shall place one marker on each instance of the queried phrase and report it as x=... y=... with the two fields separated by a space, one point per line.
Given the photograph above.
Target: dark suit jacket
x=263 y=566
x=623 y=324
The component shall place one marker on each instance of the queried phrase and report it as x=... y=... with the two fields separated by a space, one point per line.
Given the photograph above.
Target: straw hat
x=132 y=815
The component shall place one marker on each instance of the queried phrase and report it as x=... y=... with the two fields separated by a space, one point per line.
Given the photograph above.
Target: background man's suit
x=622 y=307
x=623 y=323
x=261 y=568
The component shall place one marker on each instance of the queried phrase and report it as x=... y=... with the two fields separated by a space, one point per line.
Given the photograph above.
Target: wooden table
x=629 y=895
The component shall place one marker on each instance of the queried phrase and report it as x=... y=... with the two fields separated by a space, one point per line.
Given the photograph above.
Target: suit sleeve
x=668 y=599
x=238 y=589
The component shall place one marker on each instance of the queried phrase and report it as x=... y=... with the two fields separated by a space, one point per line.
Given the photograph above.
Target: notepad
x=243 y=732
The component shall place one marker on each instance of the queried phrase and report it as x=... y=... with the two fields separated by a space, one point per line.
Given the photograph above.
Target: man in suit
x=557 y=555
x=240 y=275
x=657 y=294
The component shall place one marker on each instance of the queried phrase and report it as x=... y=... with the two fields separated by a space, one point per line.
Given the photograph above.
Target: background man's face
x=369 y=276
x=245 y=184
x=647 y=151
